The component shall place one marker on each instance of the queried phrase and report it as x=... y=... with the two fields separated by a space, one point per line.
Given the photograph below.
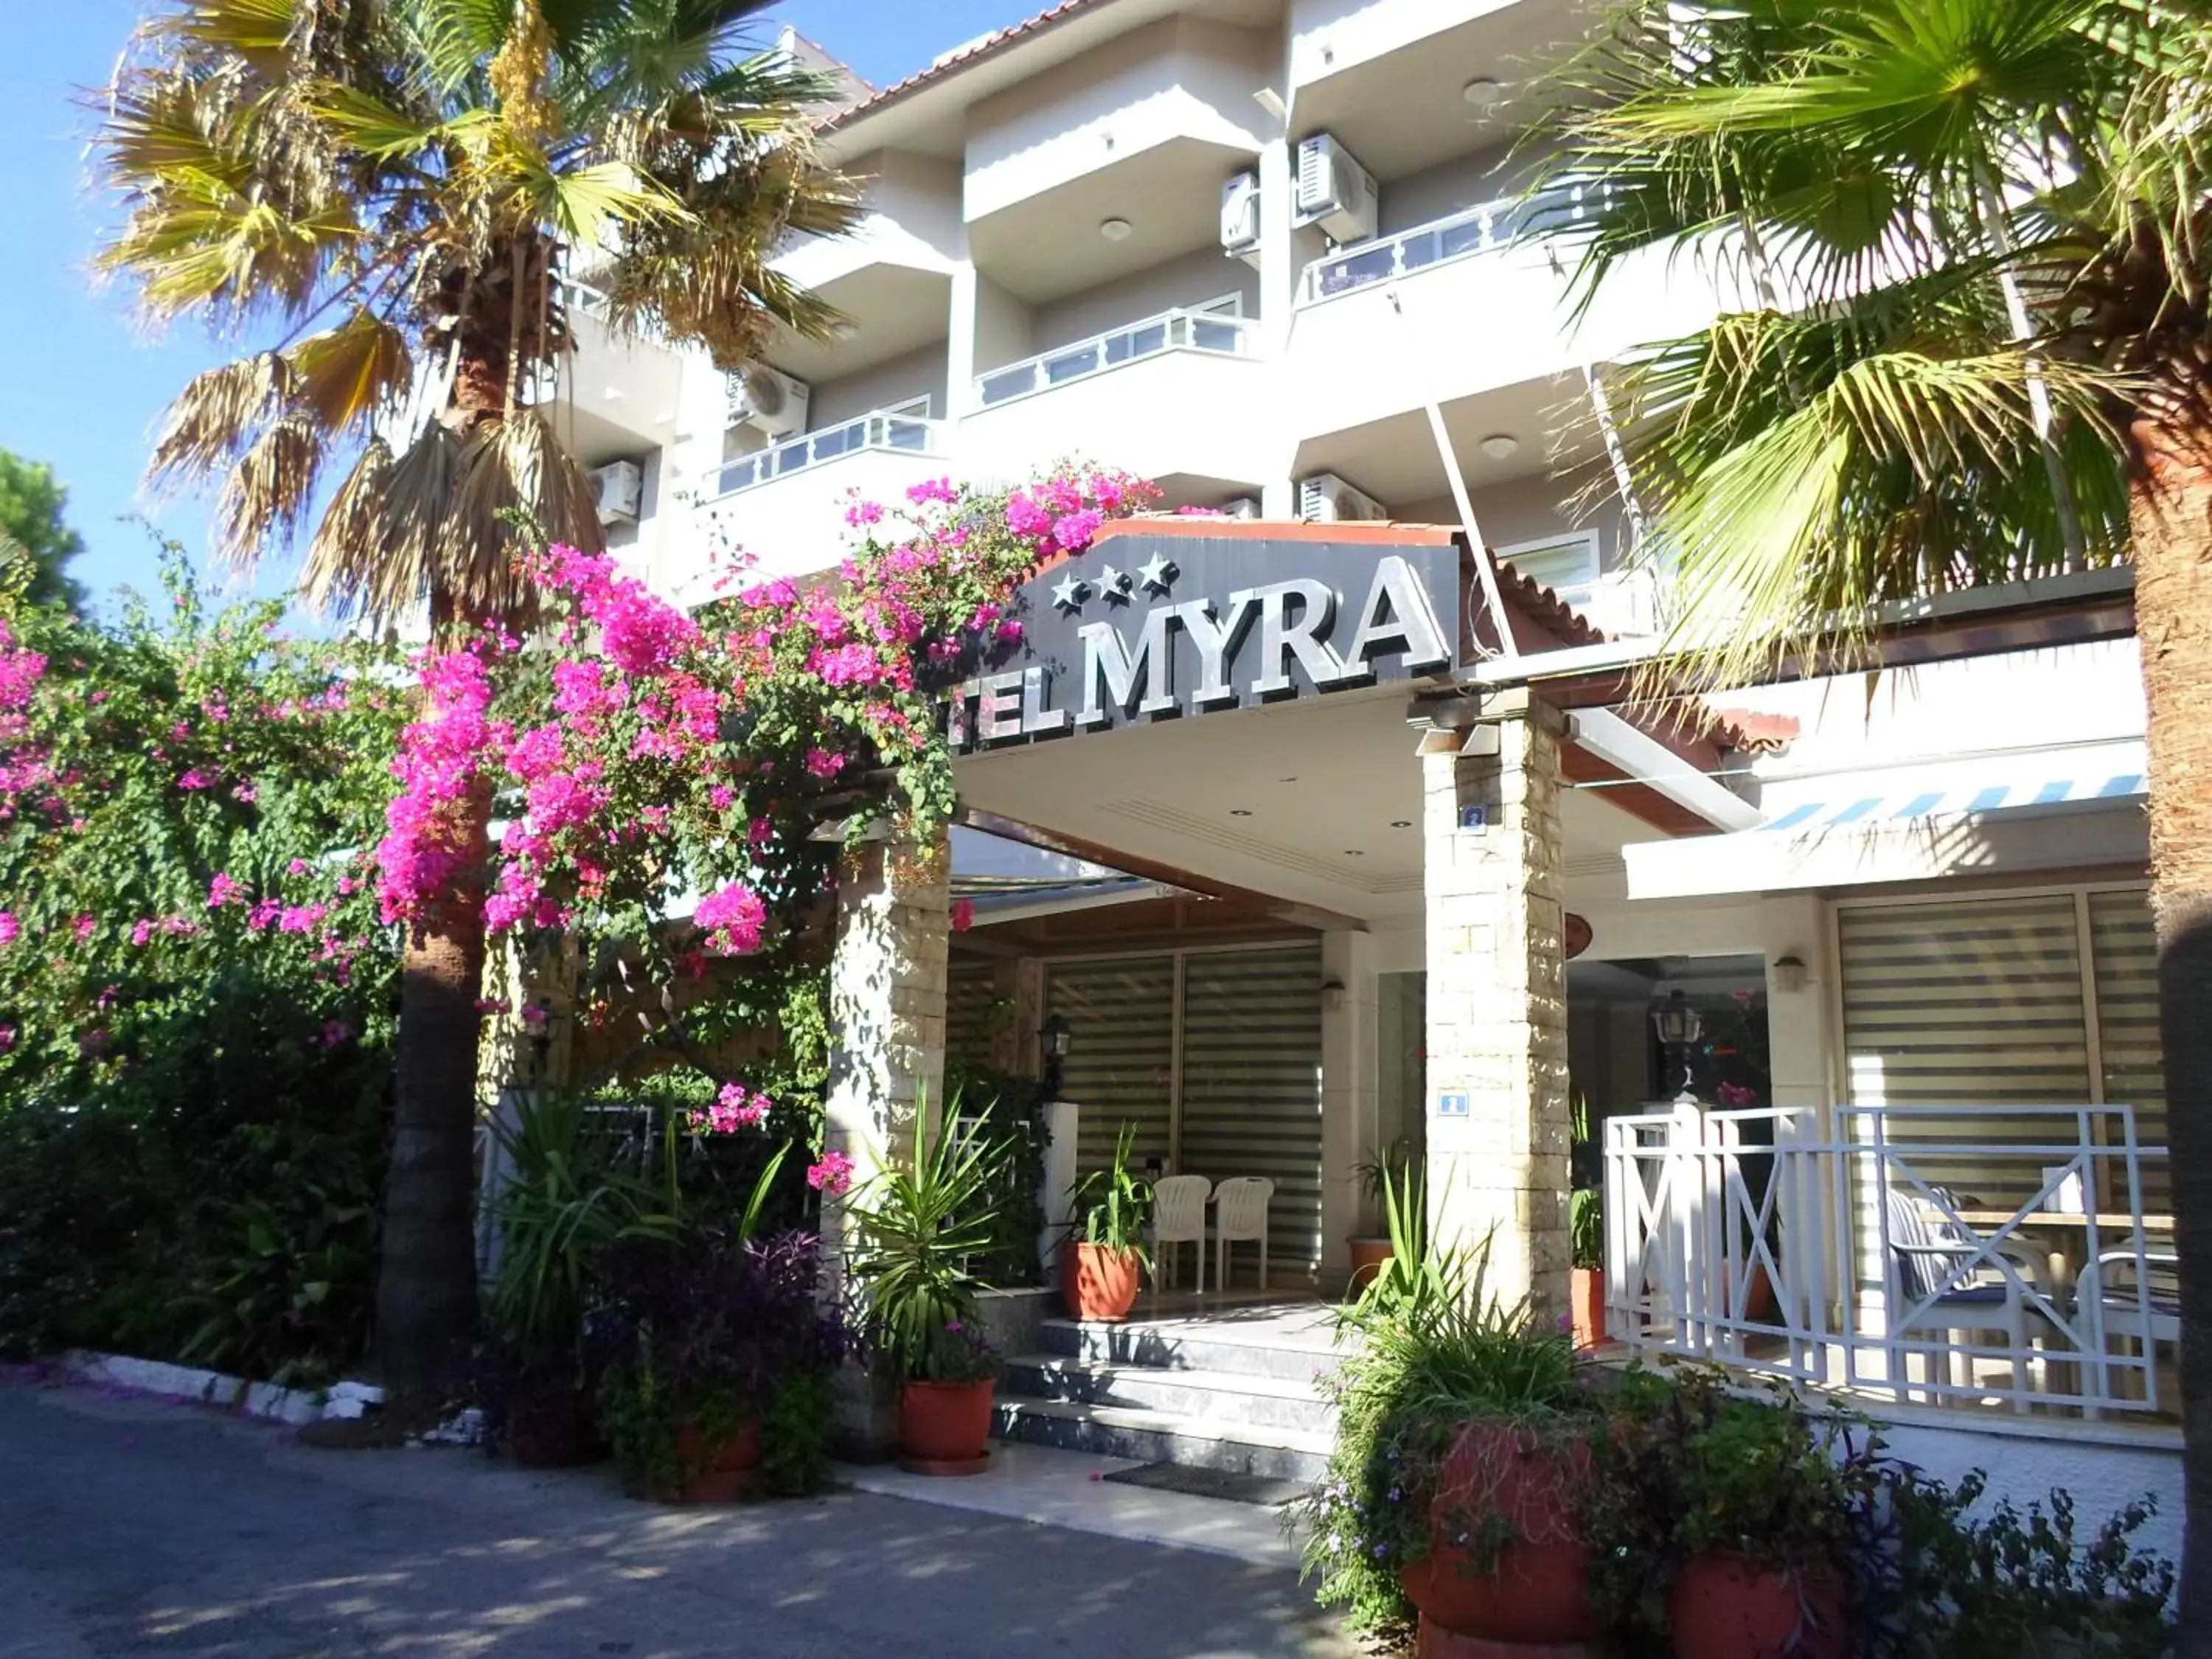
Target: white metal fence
x=1482 y=228
x=1986 y=1256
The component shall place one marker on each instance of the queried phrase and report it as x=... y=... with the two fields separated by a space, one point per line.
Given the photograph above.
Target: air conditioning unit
x=1240 y=218
x=1326 y=499
x=1335 y=192
x=767 y=399
x=1240 y=507
x=619 y=488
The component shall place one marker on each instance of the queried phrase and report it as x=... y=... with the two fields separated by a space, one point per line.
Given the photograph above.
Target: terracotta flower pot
x=723 y=1480
x=1533 y=1591
x=1725 y=1605
x=1368 y=1256
x=1586 y=1300
x=1097 y=1281
x=945 y=1428
x=550 y=1427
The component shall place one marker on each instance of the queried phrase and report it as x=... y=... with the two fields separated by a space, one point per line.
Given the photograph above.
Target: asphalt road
x=129 y=1526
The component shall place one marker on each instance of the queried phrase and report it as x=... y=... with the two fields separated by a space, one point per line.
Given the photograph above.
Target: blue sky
x=81 y=386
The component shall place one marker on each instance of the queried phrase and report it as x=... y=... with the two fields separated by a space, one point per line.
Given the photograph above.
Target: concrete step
x=1296 y=1349
x=1240 y=1399
x=1153 y=1437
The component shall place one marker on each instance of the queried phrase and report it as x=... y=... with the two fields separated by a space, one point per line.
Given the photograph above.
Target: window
x=913 y=408
x=1566 y=564
x=2041 y=998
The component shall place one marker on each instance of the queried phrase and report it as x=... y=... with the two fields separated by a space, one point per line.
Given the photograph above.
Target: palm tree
x=1971 y=237
x=394 y=189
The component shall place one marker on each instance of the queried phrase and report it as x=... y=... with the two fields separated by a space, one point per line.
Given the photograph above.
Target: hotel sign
x=1145 y=628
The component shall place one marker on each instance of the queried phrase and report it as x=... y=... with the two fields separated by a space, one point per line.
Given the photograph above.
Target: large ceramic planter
x=1368 y=1256
x=1725 y=1605
x=550 y=1427
x=1529 y=1597
x=945 y=1428
x=1098 y=1282
x=1586 y=1304
x=726 y=1477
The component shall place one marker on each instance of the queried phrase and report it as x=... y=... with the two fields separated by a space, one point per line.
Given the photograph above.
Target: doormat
x=1224 y=1484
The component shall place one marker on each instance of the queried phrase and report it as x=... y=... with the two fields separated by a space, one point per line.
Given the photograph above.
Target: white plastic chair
x=1941 y=1277
x=1178 y=1218
x=2117 y=1303
x=1240 y=1214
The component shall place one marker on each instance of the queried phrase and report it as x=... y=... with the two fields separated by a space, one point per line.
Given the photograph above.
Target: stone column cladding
x=1348 y=1094
x=1498 y=1126
x=887 y=1055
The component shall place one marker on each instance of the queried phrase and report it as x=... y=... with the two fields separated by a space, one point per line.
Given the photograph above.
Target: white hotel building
x=1854 y=975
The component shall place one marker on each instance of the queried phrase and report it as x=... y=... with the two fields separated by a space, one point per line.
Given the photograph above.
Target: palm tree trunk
x=426 y=1291
x=2173 y=534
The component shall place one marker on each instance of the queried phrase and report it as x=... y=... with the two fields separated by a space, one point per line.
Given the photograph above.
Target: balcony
x=785 y=505
x=880 y=430
x=1146 y=396
x=623 y=394
x=1171 y=331
x=1467 y=304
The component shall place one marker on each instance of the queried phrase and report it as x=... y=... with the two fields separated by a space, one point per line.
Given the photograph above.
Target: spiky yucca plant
x=391 y=191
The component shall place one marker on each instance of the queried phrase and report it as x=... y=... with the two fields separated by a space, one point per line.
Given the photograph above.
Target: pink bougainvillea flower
x=297 y=867
x=197 y=779
x=84 y=928
x=6 y=1038
x=732 y=919
x=825 y=764
x=223 y=890
x=964 y=915
x=734 y=1108
x=11 y=929
x=832 y=1173
x=141 y=931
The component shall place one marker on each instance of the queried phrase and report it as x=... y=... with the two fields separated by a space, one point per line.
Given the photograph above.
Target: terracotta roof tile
x=996 y=42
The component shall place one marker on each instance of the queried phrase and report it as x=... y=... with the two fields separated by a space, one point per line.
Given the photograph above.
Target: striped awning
x=1816 y=816
x=2050 y=810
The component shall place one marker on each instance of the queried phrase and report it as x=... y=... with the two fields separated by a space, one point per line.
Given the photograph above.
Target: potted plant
x=1586 y=1274
x=1100 y=1268
x=1370 y=1250
x=718 y=1355
x=1463 y=1453
x=1738 y=1516
x=915 y=1232
x=563 y=1208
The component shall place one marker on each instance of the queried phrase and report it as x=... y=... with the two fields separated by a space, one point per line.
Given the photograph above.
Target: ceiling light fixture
x=1482 y=93
x=1401 y=823
x=1115 y=230
x=1239 y=812
x=1500 y=445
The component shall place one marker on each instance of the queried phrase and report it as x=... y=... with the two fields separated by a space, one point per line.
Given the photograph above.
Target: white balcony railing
x=1206 y=332
x=878 y=430
x=1861 y=1261
x=1483 y=228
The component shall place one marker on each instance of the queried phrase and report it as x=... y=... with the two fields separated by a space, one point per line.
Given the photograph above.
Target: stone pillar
x=1499 y=1129
x=1349 y=1131
x=887 y=1052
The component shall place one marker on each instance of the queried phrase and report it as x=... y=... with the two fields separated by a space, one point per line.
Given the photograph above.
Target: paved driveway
x=129 y=1526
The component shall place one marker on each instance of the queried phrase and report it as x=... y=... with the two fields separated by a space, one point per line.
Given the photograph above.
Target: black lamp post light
x=1055 y=1037
x=1678 y=1025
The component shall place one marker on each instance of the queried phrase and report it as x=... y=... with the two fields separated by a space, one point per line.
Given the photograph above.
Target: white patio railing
x=1482 y=228
x=1960 y=1254
x=880 y=430
x=1211 y=332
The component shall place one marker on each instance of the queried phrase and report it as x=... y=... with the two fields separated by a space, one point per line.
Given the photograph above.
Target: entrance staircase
x=1232 y=1388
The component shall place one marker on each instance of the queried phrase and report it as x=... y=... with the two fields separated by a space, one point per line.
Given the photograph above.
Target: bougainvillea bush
x=676 y=787
x=196 y=986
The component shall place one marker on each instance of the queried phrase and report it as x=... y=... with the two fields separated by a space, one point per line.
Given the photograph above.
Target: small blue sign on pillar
x=1451 y=1105
x=1473 y=817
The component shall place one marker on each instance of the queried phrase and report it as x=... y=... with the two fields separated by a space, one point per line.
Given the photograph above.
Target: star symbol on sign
x=1158 y=573
x=1069 y=592
x=1113 y=585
